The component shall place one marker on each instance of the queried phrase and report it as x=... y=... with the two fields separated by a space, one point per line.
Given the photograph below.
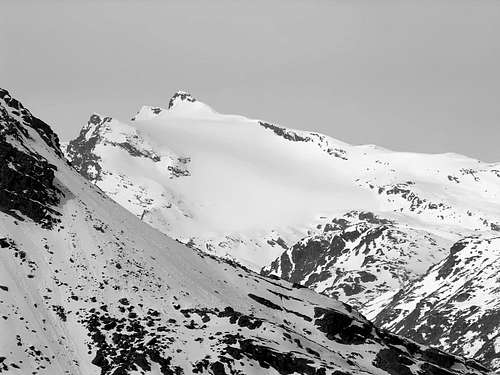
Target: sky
x=419 y=75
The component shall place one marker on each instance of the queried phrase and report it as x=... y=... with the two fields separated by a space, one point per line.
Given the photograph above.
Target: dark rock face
x=319 y=139
x=284 y=362
x=128 y=343
x=285 y=133
x=265 y=302
x=19 y=117
x=405 y=191
x=242 y=320
x=451 y=261
x=26 y=178
x=340 y=327
x=394 y=362
x=401 y=354
x=80 y=151
x=182 y=96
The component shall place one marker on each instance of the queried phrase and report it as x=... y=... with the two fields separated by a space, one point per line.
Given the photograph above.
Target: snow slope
x=87 y=288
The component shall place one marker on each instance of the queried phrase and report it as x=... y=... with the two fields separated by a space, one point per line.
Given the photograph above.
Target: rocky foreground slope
x=87 y=288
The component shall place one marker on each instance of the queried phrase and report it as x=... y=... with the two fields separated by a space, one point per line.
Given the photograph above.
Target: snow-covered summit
x=180 y=96
x=181 y=104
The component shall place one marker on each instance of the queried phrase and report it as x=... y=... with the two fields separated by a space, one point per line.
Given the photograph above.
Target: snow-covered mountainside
x=456 y=305
x=87 y=288
x=248 y=189
x=354 y=222
x=359 y=257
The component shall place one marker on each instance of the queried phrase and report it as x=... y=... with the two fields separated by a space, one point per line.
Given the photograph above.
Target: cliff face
x=27 y=185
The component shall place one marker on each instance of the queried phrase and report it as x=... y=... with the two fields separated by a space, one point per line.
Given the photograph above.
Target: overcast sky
x=419 y=75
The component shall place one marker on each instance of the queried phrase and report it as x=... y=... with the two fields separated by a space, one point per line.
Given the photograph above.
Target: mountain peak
x=17 y=119
x=27 y=188
x=184 y=104
x=180 y=96
x=94 y=124
x=96 y=119
x=180 y=104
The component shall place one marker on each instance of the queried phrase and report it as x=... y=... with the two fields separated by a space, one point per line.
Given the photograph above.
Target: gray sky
x=419 y=75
